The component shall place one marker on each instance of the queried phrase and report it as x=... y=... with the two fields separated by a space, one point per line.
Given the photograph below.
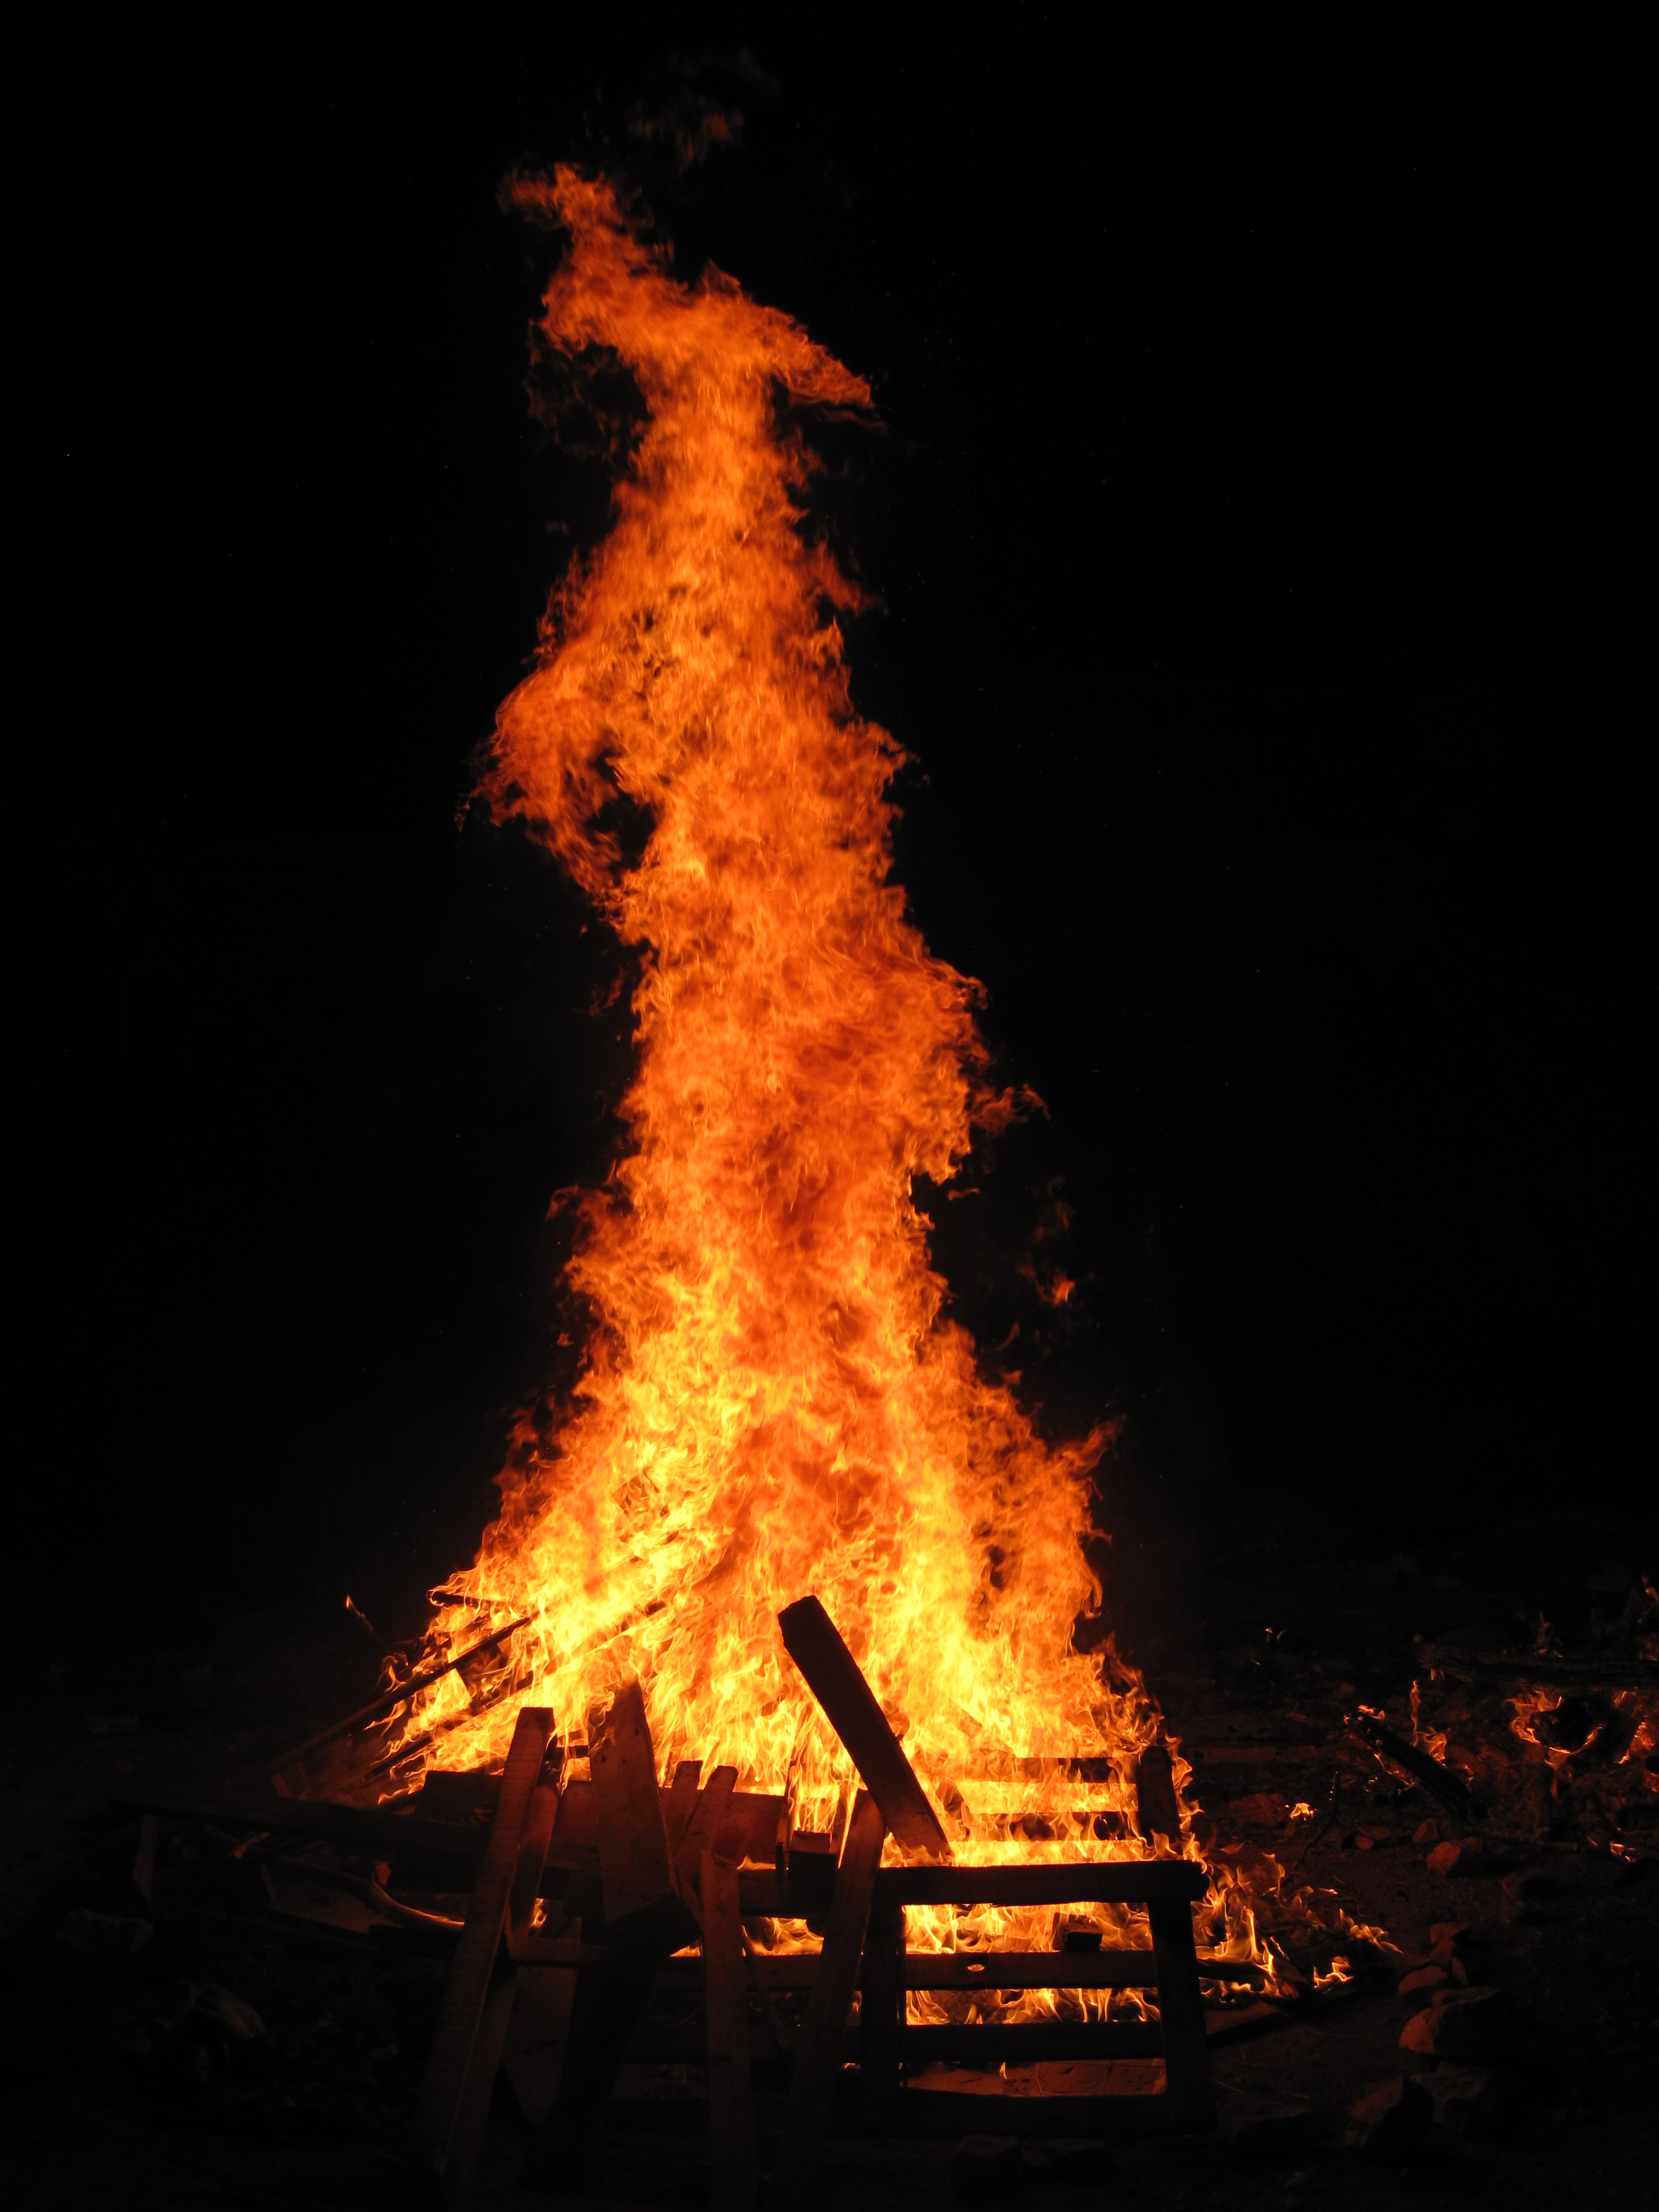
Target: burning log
x=835 y=1680
x=1450 y=1788
x=1611 y=1674
x=387 y=1702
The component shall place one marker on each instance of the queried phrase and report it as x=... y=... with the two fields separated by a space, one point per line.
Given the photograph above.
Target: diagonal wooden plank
x=450 y=2060
x=814 y=1642
x=731 y=2100
x=818 y=2051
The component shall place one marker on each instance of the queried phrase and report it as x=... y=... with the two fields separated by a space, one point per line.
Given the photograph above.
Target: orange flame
x=772 y=1403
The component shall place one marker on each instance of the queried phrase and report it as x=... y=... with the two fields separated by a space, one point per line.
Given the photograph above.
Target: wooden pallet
x=845 y=2075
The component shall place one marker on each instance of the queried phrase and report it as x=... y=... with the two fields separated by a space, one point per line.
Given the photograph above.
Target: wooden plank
x=1157 y=1811
x=997 y=2043
x=658 y=2042
x=813 y=1642
x=969 y=1970
x=634 y=1863
x=1181 y=2012
x=604 y=2012
x=818 y=2051
x=881 y=2007
x=929 y=2114
x=731 y=2101
x=703 y=1829
x=1074 y=1882
x=679 y=1801
x=473 y=2115
x=450 y=2060
x=752 y=1817
x=642 y=1906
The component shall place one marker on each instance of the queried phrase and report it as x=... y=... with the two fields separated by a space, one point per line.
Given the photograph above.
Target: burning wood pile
x=753 y=1780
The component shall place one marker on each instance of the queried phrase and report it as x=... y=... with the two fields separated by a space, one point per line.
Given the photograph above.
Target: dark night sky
x=1236 y=522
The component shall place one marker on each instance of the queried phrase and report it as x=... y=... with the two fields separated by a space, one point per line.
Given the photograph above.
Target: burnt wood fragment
x=1439 y=1780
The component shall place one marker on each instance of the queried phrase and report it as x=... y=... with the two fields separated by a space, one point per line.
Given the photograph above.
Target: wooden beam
x=1157 y=1810
x=1181 y=2014
x=642 y=1906
x=818 y=2051
x=451 y=2058
x=833 y=1675
x=1074 y=1882
x=881 y=2009
x=971 y=1970
x=731 y=2101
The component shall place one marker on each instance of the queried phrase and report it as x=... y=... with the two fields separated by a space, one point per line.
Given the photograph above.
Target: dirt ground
x=209 y=2062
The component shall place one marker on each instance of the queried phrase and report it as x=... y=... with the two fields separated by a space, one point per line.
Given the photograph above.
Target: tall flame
x=772 y=1402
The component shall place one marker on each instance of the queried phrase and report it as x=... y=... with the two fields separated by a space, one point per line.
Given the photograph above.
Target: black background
x=1245 y=526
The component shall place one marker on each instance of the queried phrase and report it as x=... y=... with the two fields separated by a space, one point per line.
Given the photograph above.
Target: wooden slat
x=1181 y=2010
x=833 y=1675
x=660 y=2043
x=967 y=1970
x=928 y=2114
x=634 y=1863
x=881 y=2007
x=1157 y=1811
x=818 y=2051
x=997 y=2043
x=643 y=1907
x=451 y=2056
x=703 y=1829
x=1082 y=1881
x=750 y=1816
x=730 y=2103
x=678 y=1803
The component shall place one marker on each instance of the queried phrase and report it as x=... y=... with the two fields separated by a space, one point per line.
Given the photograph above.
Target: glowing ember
x=773 y=1404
